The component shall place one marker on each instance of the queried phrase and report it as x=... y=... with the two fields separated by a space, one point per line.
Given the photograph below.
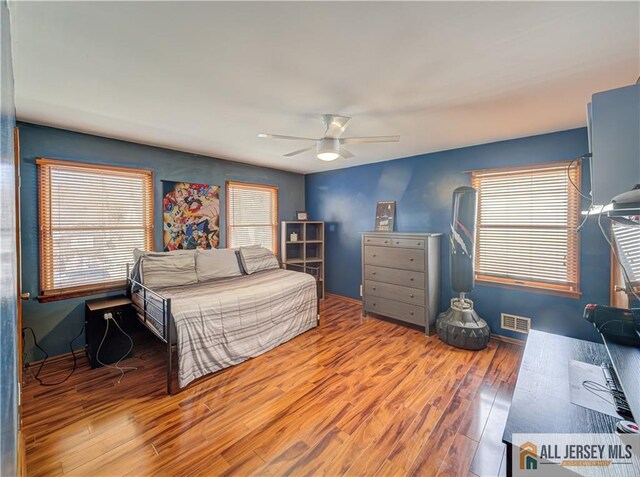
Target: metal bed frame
x=143 y=312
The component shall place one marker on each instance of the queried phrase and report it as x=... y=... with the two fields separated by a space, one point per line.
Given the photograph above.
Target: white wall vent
x=516 y=323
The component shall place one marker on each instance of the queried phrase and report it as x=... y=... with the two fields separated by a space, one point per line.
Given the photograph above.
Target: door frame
x=22 y=459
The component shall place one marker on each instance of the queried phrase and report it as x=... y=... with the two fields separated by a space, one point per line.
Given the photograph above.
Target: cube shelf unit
x=308 y=249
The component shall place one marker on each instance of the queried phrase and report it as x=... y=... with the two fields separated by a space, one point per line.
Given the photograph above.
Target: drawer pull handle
x=397 y=243
x=411 y=279
x=419 y=243
x=411 y=259
x=373 y=255
x=410 y=295
x=411 y=313
x=374 y=288
x=386 y=241
x=374 y=304
x=375 y=273
x=368 y=240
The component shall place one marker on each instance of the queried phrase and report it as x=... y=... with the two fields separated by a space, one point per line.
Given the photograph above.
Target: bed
x=218 y=323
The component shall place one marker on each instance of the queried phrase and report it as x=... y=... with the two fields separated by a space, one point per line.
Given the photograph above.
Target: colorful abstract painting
x=191 y=216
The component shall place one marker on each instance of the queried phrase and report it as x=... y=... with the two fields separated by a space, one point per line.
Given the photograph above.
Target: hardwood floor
x=352 y=397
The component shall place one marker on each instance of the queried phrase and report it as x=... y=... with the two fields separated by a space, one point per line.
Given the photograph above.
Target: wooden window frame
x=250 y=185
x=44 y=210
x=618 y=299
x=573 y=215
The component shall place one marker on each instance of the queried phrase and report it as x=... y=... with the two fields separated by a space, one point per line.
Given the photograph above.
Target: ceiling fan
x=329 y=147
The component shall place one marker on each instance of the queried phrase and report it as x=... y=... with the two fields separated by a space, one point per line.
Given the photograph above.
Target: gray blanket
x=225 y=322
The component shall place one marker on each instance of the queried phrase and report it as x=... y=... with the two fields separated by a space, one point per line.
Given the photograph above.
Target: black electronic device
x=106 y=328
x=617 y=324
x=619 y=399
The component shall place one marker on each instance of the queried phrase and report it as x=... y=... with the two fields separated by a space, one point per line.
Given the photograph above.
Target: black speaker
x=105 y=339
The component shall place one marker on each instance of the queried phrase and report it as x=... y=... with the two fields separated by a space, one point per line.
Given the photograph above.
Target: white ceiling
x=208 y=77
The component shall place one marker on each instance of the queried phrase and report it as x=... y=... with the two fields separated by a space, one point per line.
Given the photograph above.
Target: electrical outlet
x=108 y=316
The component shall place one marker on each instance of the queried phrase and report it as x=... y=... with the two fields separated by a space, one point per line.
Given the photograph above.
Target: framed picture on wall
x=302 y=215
x=191 y=215
x=385 y=216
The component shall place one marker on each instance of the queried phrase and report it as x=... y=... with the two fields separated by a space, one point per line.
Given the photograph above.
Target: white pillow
x=168 y=270
x=255 y=259
x=136 y=271
x=137 y=253
x=215 y=263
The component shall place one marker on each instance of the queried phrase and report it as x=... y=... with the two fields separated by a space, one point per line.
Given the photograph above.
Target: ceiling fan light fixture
x=328 y=156
x=328 y=149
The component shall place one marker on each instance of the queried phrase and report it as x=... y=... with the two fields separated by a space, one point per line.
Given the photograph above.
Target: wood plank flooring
x=352 y=397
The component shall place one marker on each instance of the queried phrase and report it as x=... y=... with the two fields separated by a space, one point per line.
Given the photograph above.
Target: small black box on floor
x=106 y=345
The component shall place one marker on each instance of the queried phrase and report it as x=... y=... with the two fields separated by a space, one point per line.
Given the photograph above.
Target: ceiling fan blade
x=279 y=136
x=299 y=151
x=345 y=154
x=365 y=140
x=336 y=125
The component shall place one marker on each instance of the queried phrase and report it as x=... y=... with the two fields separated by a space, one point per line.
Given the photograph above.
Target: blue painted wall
x=56 y=323
x=8 y=278
x=422 y=187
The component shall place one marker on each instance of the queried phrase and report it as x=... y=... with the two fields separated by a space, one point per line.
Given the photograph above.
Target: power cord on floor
x=117 y=365
x=46 y=357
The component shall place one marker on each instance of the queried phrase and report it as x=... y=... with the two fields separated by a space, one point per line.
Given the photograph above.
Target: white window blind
x=627 y=238
x=252 y=215
x=526 y=228
x=91 y=219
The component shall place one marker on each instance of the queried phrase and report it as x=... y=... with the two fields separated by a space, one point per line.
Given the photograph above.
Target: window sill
x=66 y=295
x=528 y=288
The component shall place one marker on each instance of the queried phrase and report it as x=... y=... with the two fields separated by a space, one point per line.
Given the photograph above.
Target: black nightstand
x=115 y=344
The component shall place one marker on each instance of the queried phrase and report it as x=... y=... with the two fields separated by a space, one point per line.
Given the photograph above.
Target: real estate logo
x=560 y=455
x=528 y=456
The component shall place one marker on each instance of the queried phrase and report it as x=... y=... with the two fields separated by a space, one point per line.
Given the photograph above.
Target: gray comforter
x=225 y=322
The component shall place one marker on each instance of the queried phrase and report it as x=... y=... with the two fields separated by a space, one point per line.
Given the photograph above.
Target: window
x=252 y=215
x=91 y=219
x=627 y=240
x=526 y=227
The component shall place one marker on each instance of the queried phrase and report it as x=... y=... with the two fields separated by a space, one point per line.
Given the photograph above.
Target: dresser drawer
x=394 y=241
x=407 y=242
x=393 y=275
x=402 y=258
x=394 y=292
x=381 y=241
x=395 y=309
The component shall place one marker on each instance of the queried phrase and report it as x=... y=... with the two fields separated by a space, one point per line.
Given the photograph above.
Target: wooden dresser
x=401 y=276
